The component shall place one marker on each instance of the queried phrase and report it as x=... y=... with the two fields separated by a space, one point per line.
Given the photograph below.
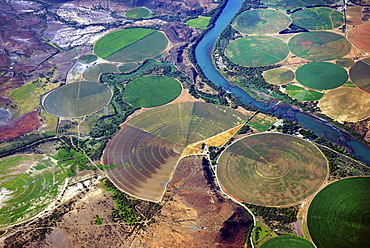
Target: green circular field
x=127 y=67
x=137 y=13
x=339 y=215
x=257 y=51
x=152 y=91
x=301 y=94
x=319 y=45
x=321 y=75
x=360 y=74
x=261 y=21
x=287 y=241
x=346 y=104
x=28 y=184
x=345 y=62
x=320 y=18
x=77 y=99
x=278 y=76
x=271 y=169
x=131 y=45
x=292 y=4
x=87 y=59
x=93 y=72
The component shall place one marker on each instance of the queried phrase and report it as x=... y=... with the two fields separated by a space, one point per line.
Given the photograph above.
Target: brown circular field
x=271 y=169
x=360 y=74
x=149 y=146
x=360 y=37
x=346 y=104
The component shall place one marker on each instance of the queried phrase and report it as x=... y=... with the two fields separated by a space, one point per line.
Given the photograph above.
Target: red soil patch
x=195 y=214
x=20 y=125
x=360 y=37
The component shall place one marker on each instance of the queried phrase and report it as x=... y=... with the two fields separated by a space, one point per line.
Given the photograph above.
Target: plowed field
x=360 y=37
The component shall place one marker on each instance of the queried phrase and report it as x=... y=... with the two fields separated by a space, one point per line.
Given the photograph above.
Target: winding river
x=203 y=54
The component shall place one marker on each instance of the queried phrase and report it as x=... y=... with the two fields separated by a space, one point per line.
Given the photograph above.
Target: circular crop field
x=271 y=169
x=345 y=62
x=360 y=74
x=360 y=37
x=320 y=18
x=77 y=99
x=339 y=215
x=87 y=59
x=152 y=91
x=321 y=75
x=28 y=184
x=319 y=45
x=128 y=67
x=93 y=72
x=301 y=94
x=131 y=45
x=292 y=4
x=346 y=104
x=278 y=76
x=137 y=13
x=261 y=21
x=287 y=241
x=257 y=51
x=148 y=146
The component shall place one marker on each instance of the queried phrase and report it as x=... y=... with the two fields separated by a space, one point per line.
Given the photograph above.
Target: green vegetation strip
x=152 y=91
x=339 y=215
x=287 y=241
x=360 y=74
x=257 y=51
x=117 y=40
x=321 y=75
x=320 y=18
x=301 y=94
x=271 y=169
x=261 y=21
x=319 y=45
x=201 y=22
x=278 y=76
x=137 y=13
x=77 y=99
x=28 y=184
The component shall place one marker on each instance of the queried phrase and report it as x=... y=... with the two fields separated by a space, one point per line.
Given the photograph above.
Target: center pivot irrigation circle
x=271 y=166
x=271 y=169
x=339 y=215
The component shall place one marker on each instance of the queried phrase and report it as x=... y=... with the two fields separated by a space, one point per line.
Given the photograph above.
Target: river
x=203 y=55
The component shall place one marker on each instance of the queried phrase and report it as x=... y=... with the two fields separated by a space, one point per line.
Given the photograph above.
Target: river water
x=203 y=54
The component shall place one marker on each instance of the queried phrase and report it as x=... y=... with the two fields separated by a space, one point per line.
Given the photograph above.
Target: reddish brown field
x=360 y=37
x=20 y=125
x=195 y=214
x=145 y=161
